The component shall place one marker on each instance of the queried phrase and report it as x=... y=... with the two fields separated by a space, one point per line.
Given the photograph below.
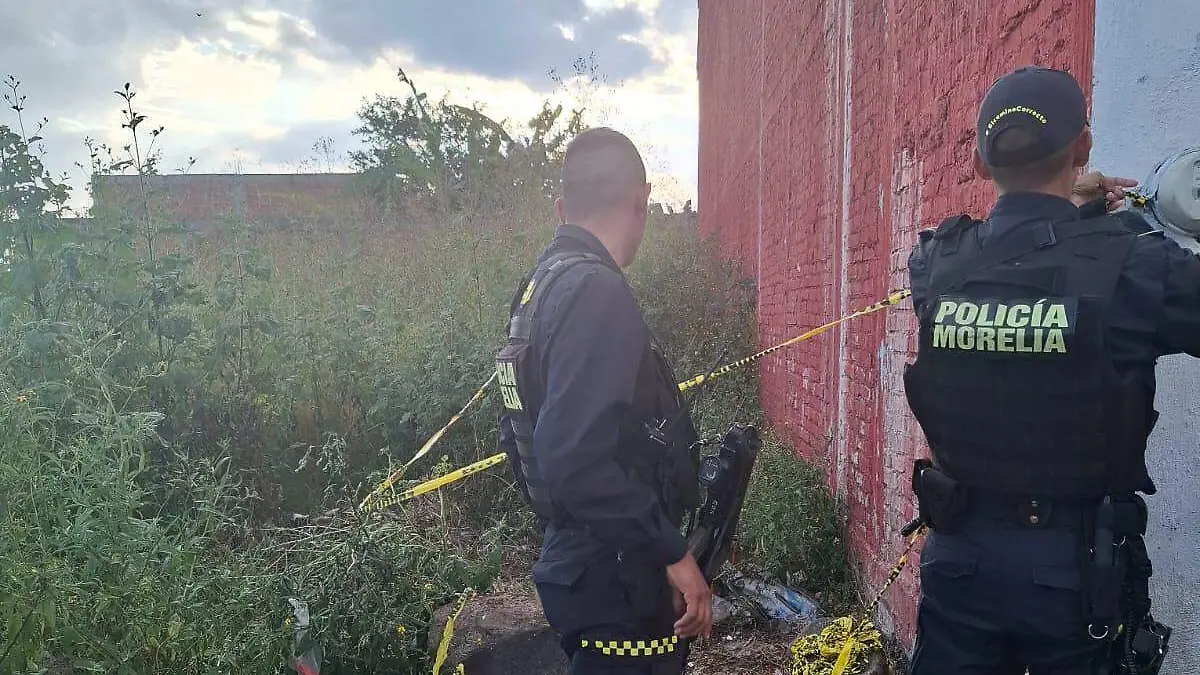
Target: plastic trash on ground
x=721 y=609
x=777 y=602
x=309 y=663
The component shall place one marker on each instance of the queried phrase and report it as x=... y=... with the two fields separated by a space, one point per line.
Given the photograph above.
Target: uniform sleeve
x=1179 y=318
x=591 y=367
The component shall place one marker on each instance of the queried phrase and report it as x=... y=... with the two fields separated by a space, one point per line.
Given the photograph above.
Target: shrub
x=94 y=577
x=789 y=529
x=187 y=418
x=92 y=582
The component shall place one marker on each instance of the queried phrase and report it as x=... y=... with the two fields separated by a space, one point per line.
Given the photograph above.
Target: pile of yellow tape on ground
x=845 y=646
x=384 y=495
x=842 y=648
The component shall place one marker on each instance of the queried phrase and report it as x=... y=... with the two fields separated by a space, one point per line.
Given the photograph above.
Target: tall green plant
x=451 y=157
x=187 y=417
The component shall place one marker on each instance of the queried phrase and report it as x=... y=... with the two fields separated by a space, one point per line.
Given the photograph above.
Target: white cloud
x=646 y=6
x=209 y=93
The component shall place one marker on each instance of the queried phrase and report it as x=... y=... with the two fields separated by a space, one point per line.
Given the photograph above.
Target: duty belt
x=1030 y=512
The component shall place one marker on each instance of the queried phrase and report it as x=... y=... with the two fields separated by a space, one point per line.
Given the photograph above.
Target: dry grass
x=730 y=651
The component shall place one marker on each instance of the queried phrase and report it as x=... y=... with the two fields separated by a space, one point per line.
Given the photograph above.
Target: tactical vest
x=1013 y=384
x=657 y=436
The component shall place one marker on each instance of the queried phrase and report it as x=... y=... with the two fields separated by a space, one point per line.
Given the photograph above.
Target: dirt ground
x=504 y=631
x=739 y=651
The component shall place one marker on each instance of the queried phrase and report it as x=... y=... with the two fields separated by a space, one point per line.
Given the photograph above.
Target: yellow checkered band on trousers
x=656 y=647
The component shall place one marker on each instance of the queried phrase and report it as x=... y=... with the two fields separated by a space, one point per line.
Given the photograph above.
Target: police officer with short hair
x=596 y=432
x=1034 y=386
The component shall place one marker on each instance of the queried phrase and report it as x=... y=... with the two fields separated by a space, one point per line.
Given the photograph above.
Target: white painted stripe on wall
x=847 y=62
x=762 y=69
x=1146 y=97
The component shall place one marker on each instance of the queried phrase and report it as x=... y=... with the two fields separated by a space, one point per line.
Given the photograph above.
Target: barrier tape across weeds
x=375 y=500
x=841 y=648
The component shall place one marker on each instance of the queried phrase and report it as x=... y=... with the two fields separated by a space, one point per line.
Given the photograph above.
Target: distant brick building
x=830 y=132
x=200 y=201
x=204 y=200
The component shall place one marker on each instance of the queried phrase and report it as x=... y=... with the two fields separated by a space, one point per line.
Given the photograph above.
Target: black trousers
x=998 y=597
x=597 y=603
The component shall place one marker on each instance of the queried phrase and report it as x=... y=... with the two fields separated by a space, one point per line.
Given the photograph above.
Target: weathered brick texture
x=830 y=132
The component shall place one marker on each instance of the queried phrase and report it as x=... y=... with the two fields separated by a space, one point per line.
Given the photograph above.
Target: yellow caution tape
x=844 y=647
x=399 y=473
x=898 y=568
x=435 y=483
x=890 y=300
x=375 y=497
x=448 y=634
x=844 y=658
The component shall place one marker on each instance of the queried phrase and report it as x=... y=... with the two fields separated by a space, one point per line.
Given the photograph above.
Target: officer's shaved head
x=602 y=170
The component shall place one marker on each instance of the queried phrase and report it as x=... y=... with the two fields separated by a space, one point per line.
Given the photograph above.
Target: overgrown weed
x=187 y=416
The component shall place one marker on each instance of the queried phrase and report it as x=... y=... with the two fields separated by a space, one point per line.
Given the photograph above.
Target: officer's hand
x=685 y=577
x=1093 y=185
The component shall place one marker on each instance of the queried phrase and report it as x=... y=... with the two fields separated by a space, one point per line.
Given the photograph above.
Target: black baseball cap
x=1045 y=101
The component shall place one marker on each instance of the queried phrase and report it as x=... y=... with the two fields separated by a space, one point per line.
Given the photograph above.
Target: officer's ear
x=1083 y=147
x=981 y=167
x=558 y=208
x=641 y=205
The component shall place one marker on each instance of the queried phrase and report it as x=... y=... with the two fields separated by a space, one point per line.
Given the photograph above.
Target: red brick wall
x=830 y=132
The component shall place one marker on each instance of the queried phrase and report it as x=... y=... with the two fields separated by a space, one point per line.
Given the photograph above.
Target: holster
x=941 y=500
x=1118 y=594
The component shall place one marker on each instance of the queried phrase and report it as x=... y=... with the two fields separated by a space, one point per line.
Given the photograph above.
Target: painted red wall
x=830 y=132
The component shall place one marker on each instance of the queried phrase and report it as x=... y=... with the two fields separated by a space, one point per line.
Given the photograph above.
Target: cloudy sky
x=253 y=85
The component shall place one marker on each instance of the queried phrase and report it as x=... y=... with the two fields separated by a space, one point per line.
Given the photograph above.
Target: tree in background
x=446 y=157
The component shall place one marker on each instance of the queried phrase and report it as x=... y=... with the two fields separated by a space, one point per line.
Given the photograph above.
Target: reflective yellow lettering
x=984 y=319
x=1056 y=317
x=506 y=374
x=1023 y=346
x=943 y=336
x=966 y=337
x=966 y=314
x=1001 y=310
x=511 y=400
x=945 y=309
x=1037 y=313
x=1004 y=336
x=1055 y=342
x=1038 y=336
x=1018 y=316
x=987 y=339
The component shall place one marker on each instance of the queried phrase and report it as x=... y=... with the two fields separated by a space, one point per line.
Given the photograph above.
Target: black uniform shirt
x=1156 y=303
x=590 y=341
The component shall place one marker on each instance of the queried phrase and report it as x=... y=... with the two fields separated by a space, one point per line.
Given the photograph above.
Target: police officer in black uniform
x=1034 y=385
x=595 y=430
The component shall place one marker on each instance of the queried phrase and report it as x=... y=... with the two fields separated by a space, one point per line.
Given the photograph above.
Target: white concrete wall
x=1146 y=104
